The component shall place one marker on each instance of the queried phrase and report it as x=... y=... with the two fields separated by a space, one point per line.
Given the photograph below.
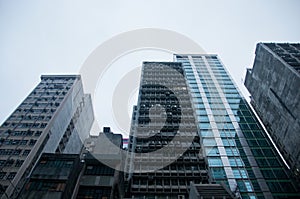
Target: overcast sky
x=54 y=37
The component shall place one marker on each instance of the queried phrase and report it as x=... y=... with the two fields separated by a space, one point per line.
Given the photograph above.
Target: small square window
x=11 y=175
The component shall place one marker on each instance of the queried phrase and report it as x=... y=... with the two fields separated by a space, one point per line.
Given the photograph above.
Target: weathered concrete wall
x=275 y=94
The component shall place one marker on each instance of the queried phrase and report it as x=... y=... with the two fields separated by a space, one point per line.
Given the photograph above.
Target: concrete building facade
x=53 y=118
x=274 y=83
x=165 y=145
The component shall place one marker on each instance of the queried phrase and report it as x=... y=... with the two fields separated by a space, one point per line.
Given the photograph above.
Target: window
x=274 y=187
x=19 y=163
x=174 y=182
x=35 y=125
x=2 y=175
x=239 y=173
x=236 y=162
x=9 y=162
x=204 y=125
x=207 y=134
x=256 y=186
x=182 y=182
x=232 y=151
x=46 y=186
x=17 y=151
x=203 y=119
x=99 y=170
x=68 y=164
x=262 y=162
x=135 y=182
x=252 y=143
x=11 y=175
x=201 y=112
x=218 y=173
x=243 y=173
x=32 y=142
x=159 y=182
x=267 y=173
x=2 y=162
x=257 y=134
x=228 y=134
x=180 y=167
x=268 y=152
x=236 y=173
x=257 y=152
x=250 y=173
x=274 y=162
x=200 y=106
x=209 y=142
x=287 y=187
x=280 y=173
x=228 y=142
x=212 y=151
x=38 y=133
x=166 y=182
x=23 y=142
x=241 y=185
x=6 y=151
x=26 y=152
x=43 y=125
x=215 y=162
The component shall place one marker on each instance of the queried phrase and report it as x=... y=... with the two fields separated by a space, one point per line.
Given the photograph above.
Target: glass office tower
x=238 y=150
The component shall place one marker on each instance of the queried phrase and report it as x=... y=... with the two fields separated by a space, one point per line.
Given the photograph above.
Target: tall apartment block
x=53 y=118
x=274 y=83
x=205 y=115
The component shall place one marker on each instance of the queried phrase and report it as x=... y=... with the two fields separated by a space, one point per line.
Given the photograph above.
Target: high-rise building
x=193 y=109
x=274 y=83
x=164 y=144
x=53 y=118
x=238 y=150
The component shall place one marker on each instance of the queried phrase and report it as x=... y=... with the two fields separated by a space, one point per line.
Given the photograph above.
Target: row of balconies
x=24 y=134
x=25 y=125
x=14 y=152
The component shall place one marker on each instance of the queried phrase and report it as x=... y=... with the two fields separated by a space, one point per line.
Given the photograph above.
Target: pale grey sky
x=42 y=37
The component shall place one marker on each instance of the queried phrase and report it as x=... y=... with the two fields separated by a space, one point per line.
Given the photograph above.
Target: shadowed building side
x=274 y=83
